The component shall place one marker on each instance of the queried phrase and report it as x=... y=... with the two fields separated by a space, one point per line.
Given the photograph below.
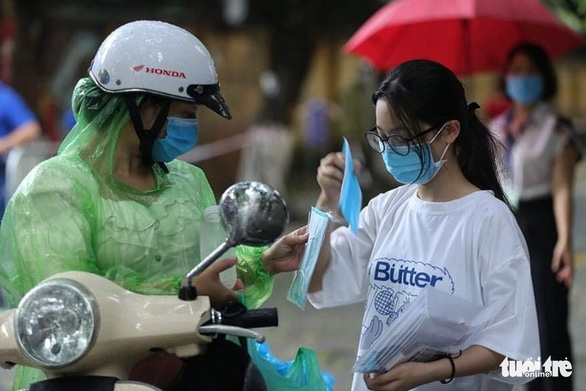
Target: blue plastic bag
x=303 y=373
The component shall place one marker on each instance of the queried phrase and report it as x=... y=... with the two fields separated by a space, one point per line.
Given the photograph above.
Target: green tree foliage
x=572 y=12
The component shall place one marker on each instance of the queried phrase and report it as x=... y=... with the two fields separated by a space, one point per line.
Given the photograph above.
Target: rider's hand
x=285 y=254
x=208 y=284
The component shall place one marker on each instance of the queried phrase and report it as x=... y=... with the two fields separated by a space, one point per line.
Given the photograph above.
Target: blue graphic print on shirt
x=394 y=283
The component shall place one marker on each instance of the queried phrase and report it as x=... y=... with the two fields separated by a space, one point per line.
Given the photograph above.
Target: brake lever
x=231 y=330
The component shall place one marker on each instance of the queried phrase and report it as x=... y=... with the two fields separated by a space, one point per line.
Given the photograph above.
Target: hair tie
x=472 y=106
x=451 y=358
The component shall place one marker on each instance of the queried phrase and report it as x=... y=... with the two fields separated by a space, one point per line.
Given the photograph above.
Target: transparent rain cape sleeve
x=71 y=213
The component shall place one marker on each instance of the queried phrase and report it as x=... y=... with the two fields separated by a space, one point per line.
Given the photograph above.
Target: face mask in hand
x=181 y=137
x=317 y=227
x=525 y=89
x=407 y=167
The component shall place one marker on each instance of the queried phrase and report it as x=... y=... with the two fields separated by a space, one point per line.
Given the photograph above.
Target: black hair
x=538 y=56
x=424 y=91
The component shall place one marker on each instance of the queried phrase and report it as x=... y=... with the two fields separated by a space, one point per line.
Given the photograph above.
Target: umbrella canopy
x=467 y=36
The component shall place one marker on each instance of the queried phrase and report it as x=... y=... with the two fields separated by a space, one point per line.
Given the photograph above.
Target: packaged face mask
x=434 y=324
x=318 y=224
x=351 y=196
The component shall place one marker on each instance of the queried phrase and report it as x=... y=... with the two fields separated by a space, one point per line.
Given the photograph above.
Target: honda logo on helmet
x=160 y=71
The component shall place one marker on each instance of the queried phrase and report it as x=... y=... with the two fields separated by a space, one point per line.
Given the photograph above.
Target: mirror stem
x=217 y=253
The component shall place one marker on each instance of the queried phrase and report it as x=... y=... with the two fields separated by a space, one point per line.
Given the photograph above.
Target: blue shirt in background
x=14 y=112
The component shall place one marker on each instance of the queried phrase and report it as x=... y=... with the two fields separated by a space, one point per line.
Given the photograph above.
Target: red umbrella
x=465 y=35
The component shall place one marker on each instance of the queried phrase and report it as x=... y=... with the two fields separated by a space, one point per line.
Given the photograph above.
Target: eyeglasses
x=394 y=141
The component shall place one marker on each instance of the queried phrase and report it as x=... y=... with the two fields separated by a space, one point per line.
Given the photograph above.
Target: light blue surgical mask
x=316 y=227
x=407 y=167
x=350 y=195
x=524 y=89
x=181 y=137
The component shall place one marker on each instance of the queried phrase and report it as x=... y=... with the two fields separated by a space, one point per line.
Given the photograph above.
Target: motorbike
x=86 y=332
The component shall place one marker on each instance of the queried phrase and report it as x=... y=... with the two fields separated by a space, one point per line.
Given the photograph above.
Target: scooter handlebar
x=251 y=319
x=240 y=316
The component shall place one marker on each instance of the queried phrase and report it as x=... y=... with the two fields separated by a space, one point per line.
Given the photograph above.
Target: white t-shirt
x=528 y=161
x=470 y=247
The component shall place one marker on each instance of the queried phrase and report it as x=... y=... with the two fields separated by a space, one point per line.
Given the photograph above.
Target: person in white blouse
x=539 y=156
x=447 y=228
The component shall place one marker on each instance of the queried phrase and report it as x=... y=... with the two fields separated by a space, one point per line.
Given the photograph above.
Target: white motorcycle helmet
x=161 y=59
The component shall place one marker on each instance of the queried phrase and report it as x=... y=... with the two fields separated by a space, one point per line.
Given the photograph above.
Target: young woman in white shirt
x=448 y=228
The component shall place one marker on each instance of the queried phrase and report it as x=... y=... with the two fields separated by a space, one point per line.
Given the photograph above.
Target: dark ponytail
x=423 y=91
x=477 y=151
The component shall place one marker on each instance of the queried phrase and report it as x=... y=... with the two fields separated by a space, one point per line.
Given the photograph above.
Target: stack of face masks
x=434 y=324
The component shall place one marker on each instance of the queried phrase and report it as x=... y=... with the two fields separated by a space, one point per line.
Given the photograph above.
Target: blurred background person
x=18 y=125
x=540 y=156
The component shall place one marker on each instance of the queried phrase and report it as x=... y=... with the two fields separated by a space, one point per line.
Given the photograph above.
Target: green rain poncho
x=71 y=213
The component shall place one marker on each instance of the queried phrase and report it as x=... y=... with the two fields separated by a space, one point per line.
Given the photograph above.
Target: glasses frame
x=384 y=141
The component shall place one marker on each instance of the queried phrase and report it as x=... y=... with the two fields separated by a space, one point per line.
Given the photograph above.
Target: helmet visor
x=209 y=95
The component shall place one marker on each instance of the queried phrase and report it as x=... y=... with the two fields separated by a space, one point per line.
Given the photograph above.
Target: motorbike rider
x=115 y=201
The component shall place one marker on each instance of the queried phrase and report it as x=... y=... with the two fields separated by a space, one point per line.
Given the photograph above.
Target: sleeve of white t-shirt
x=507 y=292
x=345 y=280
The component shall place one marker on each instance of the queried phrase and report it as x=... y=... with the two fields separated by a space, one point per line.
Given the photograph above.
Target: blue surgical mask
x=317 y=228
x=181 y=137
x=525 y=89
x=350 y=195
x=407 y=167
